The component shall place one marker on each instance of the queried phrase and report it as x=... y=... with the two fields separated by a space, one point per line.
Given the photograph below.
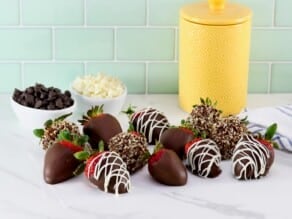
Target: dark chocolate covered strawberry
x=60 y=163
x=166 y=167
x=253 y=155
x=106 y=170
x=266 y=140
x=99 y=126
x=175 y=138
x=148 y=121
x=203 y=157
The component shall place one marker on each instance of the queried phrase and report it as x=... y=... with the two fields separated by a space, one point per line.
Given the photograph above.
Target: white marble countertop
x=24 y=194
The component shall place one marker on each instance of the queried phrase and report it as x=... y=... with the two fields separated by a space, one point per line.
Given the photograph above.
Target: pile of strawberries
x=108 y=156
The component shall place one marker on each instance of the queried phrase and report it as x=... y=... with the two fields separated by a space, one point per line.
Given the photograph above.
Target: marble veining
x=220 y=208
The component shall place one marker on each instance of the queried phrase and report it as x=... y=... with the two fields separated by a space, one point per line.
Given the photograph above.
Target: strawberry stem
x=100 y=146
x=63 y=117
x=270 y=132
x=82 y=155
x=48 y=123
x=39 y=133
x=75 y=139
x=93 y=112
x=158 y=146
x=131 y=127
x=130 y=110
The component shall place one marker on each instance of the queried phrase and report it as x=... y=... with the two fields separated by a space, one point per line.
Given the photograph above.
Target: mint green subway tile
x=11 y=77
x=9 y=10
x=113 y=12
x=283 y=13
x=145 y=44
x=281 y=79
x=24 y=44
x=258 y=78
x=57 y=75
x=262 y=11
x=165 y=12
x=267 y=45
x=90 y=44
x=132 y=74
x=53 y=12
x=163 y=78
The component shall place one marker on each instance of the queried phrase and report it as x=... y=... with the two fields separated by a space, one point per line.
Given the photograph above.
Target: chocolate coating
x=110 y=174
x=251 y=159
x=169 y=169
x=203 y=158
x=102 y=127
x=176 y=139
x=132 y=148
x=59 y=164
x=151 y=123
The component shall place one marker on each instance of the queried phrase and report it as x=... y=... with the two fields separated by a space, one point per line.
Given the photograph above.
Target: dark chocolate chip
x=38 y=104
x=29 y=99
x=59 y=103
x=51 y=107
x=67 y=93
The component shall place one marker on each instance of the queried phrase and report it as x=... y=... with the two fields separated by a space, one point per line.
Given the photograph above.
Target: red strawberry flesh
x=91 y=163
x=155 y=157
x=70 y=146
x=189 y=144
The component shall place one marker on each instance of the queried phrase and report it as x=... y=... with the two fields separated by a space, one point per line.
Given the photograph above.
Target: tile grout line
x=20 y=12
x=53 y=44
x=121 y=61
x=125 y=26
x=147 y=13
x=176 y=44
x=269 y=78
x=85 y=13
x=146 y=77
x=85 y=67
x=22 y=75
x=274 y=13
x=115 y=44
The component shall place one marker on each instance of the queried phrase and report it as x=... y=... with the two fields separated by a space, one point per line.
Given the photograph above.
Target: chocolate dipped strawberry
x=99 y=126
x=203 y=157
x=266 y=140
x=106 y=170
x=250 y=158
x=148 y=121
x=52 y=127
x=166 y=168
x=175 y=138
x=132 y=147
x=60 y=163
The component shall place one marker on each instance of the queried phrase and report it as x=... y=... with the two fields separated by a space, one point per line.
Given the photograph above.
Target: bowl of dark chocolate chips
x=36 y=104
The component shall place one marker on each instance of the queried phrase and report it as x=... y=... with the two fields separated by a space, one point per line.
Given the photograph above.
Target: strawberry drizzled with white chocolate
x=202 y=155
x=148 y=120
x=249 y=155
x=107 y=163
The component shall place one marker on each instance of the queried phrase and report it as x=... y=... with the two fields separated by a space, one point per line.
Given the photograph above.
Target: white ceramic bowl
x=110 y=105
x=35 y=118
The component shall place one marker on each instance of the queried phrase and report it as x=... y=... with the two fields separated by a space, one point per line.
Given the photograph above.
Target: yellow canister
x=214 y=54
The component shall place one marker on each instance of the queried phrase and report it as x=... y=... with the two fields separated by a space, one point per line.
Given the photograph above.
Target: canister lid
x=216 y=12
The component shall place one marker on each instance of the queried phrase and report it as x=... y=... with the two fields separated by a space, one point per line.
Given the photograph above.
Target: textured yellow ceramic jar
x=214 y=54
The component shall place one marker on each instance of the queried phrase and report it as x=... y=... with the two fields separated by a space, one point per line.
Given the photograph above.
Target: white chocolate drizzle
x=148 y=119
x=202 y=155
x=107 y=165
x=249 y=155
